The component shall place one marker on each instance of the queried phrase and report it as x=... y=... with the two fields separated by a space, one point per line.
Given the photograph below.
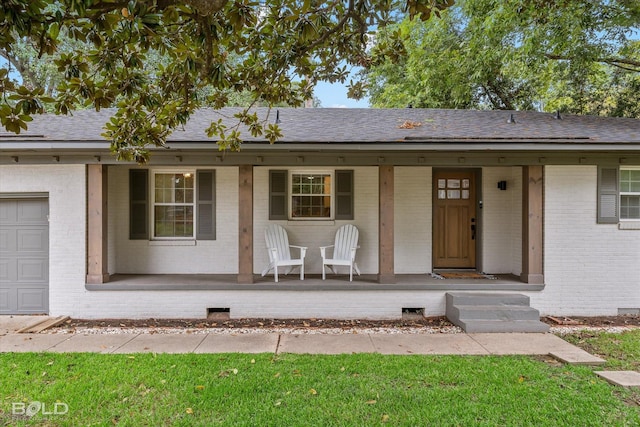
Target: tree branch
x=338 y=27
x=623 y=63
x=29 y=79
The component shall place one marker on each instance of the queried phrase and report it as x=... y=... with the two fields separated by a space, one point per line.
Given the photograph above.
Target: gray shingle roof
x=326 y=125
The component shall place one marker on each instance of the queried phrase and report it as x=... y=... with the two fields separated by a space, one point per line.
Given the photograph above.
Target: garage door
x=24 y=256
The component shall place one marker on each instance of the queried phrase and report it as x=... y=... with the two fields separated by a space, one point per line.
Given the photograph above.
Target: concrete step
x=489 y=298
x=493 y=326
x=495 y=312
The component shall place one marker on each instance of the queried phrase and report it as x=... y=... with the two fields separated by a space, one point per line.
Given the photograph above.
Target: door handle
x=473 y=229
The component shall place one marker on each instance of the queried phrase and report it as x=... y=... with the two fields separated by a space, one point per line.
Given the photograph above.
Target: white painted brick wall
x=314 y=234
x=590 y=268
x=502 y=220
x=516 y=222
x=265 y=304
x=412 y=220
x=206 y=257
x=67 y=225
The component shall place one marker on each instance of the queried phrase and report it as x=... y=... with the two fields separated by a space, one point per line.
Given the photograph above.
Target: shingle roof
x=326 y=125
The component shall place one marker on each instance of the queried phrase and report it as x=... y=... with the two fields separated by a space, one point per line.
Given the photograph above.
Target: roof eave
x=400 y=146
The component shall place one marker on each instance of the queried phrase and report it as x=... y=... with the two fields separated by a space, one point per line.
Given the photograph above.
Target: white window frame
x=626 y=193
x=331 y=194
x=153 y=203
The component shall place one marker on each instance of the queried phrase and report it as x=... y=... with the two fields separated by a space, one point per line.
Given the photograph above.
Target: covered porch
x=388 y=245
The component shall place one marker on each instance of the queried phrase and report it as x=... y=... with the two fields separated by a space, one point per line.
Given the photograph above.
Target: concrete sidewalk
x=276 y=343
x=434 y=344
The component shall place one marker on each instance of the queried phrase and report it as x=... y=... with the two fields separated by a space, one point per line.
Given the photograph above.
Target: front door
x=454 y=219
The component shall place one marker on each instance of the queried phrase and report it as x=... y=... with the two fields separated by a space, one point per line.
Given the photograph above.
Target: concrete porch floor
x=312 y=282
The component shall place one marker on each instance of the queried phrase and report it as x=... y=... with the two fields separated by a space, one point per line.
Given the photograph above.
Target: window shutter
x=138 y=204
x=205 y=205
x=344 y=195
x=278 y=195
x=608 y=195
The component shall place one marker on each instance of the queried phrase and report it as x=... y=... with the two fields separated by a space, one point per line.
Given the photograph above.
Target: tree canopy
x=202 y=51
x=578 y=56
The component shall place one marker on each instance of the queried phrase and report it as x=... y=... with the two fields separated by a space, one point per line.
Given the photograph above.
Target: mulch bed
x=596 y=321
x=414 y=321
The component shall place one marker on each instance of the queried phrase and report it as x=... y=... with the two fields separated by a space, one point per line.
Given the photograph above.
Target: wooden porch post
x=97 y=187
x=386 y=250
x=532 y=224
x=245 y=220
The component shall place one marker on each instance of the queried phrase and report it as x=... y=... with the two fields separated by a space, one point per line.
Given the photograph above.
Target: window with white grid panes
x=629 y=193
x=453 y=189
x=311 y=195
x=173 y=205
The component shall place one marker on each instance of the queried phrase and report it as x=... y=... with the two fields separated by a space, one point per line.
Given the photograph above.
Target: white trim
x=172 y=242
x=629 y=225
x=313 y=222
x=626 y=193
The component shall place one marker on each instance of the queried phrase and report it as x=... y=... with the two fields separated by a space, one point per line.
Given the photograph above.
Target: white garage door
x=24 y=256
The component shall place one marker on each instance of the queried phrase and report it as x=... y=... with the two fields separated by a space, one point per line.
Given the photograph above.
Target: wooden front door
x=454 y=219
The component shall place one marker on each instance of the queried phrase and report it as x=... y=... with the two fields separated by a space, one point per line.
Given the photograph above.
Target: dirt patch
x=596 y=321
x=415 y=321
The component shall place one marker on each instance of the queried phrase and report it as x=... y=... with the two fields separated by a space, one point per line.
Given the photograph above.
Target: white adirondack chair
x=344 y=251
x=279 y=251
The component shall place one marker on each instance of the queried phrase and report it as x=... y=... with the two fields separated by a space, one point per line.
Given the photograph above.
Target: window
x=311 y=195
x=173 y=204
x=629 y=193
x=618 y=194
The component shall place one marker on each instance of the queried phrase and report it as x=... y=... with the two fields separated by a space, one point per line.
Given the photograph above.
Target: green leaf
x=54 y=30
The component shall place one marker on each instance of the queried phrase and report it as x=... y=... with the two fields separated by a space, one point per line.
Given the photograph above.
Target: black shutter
x=205 y=205
x=278 y=195
x=344 y=195
x=138 y=204
x=608 y=195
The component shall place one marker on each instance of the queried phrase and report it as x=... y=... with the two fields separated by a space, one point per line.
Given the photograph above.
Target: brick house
x=541 y=205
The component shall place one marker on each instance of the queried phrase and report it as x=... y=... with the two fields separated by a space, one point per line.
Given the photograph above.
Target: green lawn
x=622 y=351
x=296 y=390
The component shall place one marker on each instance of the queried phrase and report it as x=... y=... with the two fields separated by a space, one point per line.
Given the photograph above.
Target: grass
x=622 y=350
x=291 y=390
